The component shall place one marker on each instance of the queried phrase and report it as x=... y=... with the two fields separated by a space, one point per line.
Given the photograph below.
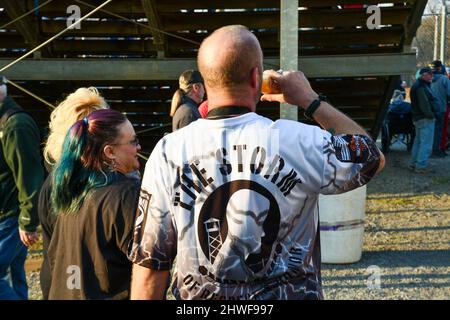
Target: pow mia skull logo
x=228 y=231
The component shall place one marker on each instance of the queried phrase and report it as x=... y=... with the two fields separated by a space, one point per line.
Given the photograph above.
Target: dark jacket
x=441 y=91
x=21 y=171
x=400 y=106
x=422 y=100
x=87 y=253
x=185 y=114
x=48 y=219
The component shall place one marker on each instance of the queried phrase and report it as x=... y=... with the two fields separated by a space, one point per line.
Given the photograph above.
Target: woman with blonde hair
x=76 y=106
x=95 y=201
x=185 y=101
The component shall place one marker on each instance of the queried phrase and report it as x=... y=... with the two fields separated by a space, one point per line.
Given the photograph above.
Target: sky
x=433 y=4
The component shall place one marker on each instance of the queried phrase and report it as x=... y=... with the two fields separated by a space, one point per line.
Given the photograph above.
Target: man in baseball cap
x=422 y=102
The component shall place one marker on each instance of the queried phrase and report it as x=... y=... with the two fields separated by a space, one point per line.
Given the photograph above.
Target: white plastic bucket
x=342 y=226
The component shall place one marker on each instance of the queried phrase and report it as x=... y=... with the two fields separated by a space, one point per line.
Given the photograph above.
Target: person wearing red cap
x=203 y=109
x=441 y=90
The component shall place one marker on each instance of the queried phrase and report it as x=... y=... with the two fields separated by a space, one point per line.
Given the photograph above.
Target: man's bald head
x=227 y=57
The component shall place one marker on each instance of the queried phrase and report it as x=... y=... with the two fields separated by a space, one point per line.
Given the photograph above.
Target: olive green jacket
x=21 y=171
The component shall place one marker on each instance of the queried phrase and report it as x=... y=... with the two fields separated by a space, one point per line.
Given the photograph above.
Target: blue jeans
x=438 y=127
x=13 y=281
x=423 y=143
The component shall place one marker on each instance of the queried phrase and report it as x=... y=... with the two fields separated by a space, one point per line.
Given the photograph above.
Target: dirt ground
x=407 y=236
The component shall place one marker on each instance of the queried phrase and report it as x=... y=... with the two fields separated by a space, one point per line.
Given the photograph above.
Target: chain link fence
x=428 y=38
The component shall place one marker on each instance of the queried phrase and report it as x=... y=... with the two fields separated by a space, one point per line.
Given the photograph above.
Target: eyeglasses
x=134 y=142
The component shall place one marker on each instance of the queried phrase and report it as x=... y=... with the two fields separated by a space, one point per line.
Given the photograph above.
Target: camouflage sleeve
x=350 y=161
x=154 y=239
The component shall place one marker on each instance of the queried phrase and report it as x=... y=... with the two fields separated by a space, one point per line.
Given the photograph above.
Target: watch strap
x=314 y=106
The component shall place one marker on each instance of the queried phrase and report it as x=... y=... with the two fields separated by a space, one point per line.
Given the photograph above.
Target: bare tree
x=426 y=37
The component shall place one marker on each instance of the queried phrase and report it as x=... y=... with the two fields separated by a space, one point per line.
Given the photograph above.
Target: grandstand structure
x=133 y=51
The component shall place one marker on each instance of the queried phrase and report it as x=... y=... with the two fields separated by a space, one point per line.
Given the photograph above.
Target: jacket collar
x=190 y=101
x=7 y=104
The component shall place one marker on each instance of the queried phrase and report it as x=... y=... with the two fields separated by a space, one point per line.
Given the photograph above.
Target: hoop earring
x=112 y=165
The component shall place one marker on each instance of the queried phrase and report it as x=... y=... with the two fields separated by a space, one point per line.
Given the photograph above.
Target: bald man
x=234 y=196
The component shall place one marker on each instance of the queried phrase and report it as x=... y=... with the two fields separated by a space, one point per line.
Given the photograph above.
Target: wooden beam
x=58 y=8
x=25 y=26
x=271 y=52
x=356 y=102
x=351 y=51
x=170 y=69
x=159 y=39
x=12 y=40
x=129 y=8
x=254 y=20
x=414 y=21
x=382 y=110
x=326 y=38
x=4 y=18
x=358 y=65
x=176 y=5
x=103 y=46
x=339 y=87
x=320 y=38
x=96 y=28
x=270 y=19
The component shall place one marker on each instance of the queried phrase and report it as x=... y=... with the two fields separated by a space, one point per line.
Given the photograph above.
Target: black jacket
x=422 y=100
x=87 y=251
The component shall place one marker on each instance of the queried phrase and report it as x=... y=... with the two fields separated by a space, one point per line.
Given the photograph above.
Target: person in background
x=399 y=107
x=401 y=86
x=441 y=91
x=203 y=109
x=96 y=203
x=422 y=103
x=445 y=132
x=417 y=75
x=21 y=177
x=76 y=106
x=185 y=101
x=398 y=103
x=445 y=142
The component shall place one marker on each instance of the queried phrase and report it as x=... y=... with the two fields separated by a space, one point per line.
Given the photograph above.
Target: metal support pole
x=443 y=34
x=436 y=37
x=289 y=48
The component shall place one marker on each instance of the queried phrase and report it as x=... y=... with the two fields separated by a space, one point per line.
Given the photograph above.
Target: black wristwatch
x=313 y=106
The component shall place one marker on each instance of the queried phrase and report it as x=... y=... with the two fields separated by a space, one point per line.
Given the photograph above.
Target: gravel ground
x=34 y=289
x=406 y=236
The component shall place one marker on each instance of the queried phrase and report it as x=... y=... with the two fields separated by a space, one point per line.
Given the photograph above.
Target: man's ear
x=255 y=78
x=196 y=87
x=108 y=150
